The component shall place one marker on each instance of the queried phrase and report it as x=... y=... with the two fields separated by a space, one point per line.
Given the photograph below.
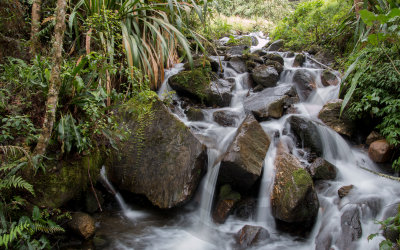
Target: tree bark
x=55 y=80
x=35 y=26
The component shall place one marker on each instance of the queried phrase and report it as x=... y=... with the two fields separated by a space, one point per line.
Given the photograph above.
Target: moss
x=301 y=178
x=201 y=63
x=244 y=40
x=226 y=193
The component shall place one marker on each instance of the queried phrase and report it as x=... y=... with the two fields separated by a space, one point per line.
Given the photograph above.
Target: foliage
x=313 y=22
x=13 y=126
x=391 y=224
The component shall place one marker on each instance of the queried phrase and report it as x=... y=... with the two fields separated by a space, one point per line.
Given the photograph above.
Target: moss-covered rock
x=330 y=115
x=293 y=198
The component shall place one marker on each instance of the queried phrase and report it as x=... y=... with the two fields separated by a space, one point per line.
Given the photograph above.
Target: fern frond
x=49 y=229
x=16 y=182
x=15 y=231
x=11 y=150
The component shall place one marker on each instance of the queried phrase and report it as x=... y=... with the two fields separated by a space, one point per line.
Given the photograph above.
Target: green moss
x=226 y=193
x=301 y=178
x=244 y=40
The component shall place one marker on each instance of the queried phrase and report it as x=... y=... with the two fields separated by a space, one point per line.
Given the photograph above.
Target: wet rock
x=246 y=209
x=274 y=57
x=299 y=60
x=266 y=76
x=251 y=235
x=238 y=65
x=351 y=227
x=200 y=63
x=225 y=118
x=237 y=50
x=82 y=224
x=328 y=78
x=330 y=115
x=321 y=169
x=247 y=81
x=242 y=163
x=344 y=191
x=306 y=133
x=194 y=114
x=166 y=165
x=254 y=41
x=260 y=52
x=251 y=65
x=275 y=64
x=91 y=202
x=269 y=103
x=290 y=54
x=226 y=201
x=325 y=57
x=380 y=151
x=373 y=136
x=293 y=197
x=391 y=211
x=275 y=46
x=304 y=82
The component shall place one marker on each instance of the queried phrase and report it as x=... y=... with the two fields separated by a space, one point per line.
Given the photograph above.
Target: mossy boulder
x=198 y=85
x=328 y=78
x=226 y=201
x=330 y=115
x=321 y=169
x=274 y=57
x=265 y=75
x=66 y=179
x=161 y=159
x=299 y=60
x=200 y=63
x=242 y=163
x=293 y=197
x=305 y=83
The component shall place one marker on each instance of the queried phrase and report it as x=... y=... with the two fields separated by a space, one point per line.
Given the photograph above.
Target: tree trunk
x=36 y=9
x=357 y=6
x=55 y=80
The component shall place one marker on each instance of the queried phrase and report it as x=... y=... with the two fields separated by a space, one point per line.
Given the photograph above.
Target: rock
x=275 y=64
x=91 y=203
x=82 y=224
x=237 y=64
x=254 y=41
x=321 y=169
x=226 y=201
x=325 y=57
x=260 y=52
x=274 y=57
x=391 y=211
x=293 y=198
x=290 y=54
x=237 y=50
x=330 y=115
x=304 y=82
x=161 y=159
x=266 y=76
x=251 y=235
x=200 y=63
x=225 y=118
x=328 y=78
x=299 y=60
x=351 y=227
x=313 y=49
x=306 y=132
x=373 y=136
x=380 y=151
x=246 y=209
x=196 y=84
x=250 y=65
x=344 y=191
x=268 y=103
x=194 y=114
x=275 y=46
x=242 y=163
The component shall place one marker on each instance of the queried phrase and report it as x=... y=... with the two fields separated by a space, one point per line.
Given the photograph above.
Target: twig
x=319 y=63
x=94 y=192
x=381 y=175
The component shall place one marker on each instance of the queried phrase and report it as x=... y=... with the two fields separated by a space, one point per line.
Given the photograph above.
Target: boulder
x=197 y=85
x=304 y=82
x=194 y=114
x=330 y=115
x=237 y=50
x=269 y=103
x=226 y=201
x=326 y=57
x=293 y=198
x=242 y=163
x=251 y=235
x=254 y=41
x=274 y=57
x=275 y=64
x=373 y=136
x=306 y=133
x=299 y=60
x=351 y=227
x=266 y=76
x=380 y=151
x=200 y=63
x=92 y=202
x=321 y=169
x=225 y=118
x=391 y=211
x=328 y=78
x=82 y=224
x=246 y=208
x=161 y=159
x=237 y=64
x=276 y=45
x=344 y=191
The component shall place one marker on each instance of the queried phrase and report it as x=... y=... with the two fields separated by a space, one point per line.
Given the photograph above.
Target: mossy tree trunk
x=35 y=26
x=55 y=80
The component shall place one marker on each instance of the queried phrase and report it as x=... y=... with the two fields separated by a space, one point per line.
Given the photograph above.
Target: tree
x=35 y=26
x=55 y=80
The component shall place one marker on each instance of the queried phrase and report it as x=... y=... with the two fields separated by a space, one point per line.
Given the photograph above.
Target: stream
x=191 y=227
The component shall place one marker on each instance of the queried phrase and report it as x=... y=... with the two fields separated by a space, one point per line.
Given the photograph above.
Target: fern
x=16 y=182
x=15 y=232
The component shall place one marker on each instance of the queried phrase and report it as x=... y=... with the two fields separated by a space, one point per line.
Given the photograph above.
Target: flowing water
x=191 y=227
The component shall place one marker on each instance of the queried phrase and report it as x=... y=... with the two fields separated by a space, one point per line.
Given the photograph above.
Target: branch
x=319 y=63
x=381 y=175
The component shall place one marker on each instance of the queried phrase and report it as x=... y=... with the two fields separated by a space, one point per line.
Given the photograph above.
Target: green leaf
x=368 y=17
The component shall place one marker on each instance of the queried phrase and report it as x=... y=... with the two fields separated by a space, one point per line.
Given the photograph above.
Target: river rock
x=330 y=115
x=344 y=191
x=380 y=151
x=200 y=63
x=226 y=201
x=293 y=197
x=246 y=208
x=82 y=224
x=251 y=235
x=373 y=136
x=92 y=202
x=237 y=50
x=266 y=76
x=306 y=133
x=238 y=65
x=273 y=57
x=275 y=64
x=321 y=169
x=161 y=159
x=351 y=227
x=225 y=118
x=304 y=82
x=325 y=57
x=328 y=78
x=391 y=211
x=270 y=102
x=242 y=163
x=276 y=45
x=299 y=60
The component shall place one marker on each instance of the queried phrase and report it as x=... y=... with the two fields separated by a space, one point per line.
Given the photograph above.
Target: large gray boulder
x=161 y=159
x=351 y=227
x=242 y=163
x=305 y=82
x=265 y=75
x=275 y=46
